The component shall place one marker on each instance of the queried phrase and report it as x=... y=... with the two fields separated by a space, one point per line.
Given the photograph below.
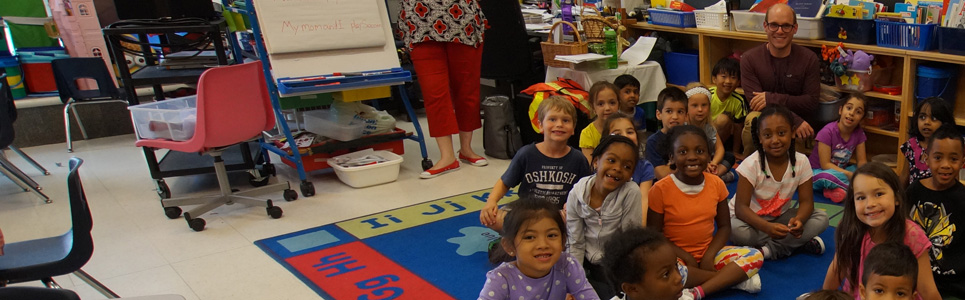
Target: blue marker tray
x=295 y=86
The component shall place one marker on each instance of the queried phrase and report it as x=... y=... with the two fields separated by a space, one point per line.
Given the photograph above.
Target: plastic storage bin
x=950 y=40
x=368 y=175
x=38 y=73
x=855 y=80
x=807 y=28
x=918 y=37
x=849 y=30
x=171 y=119
x=685 y=67
x=323 y=123
x=712 y=19
x=936 y=81
x=318 y=161
x=672 y=18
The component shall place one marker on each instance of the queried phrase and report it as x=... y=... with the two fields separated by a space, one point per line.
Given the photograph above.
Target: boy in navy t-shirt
x=544 y=171
x=671 y=111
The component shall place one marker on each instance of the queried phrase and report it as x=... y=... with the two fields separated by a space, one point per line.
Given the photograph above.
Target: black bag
x=501 y=138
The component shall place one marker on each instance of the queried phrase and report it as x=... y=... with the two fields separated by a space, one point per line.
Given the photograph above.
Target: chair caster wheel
x=255 y=182
x=308 y=189
x=172 y=212
x=274 y=211
x=163 y=190
x=290 y=195
x=269 y=169
x=196 y=224
x=426 y=164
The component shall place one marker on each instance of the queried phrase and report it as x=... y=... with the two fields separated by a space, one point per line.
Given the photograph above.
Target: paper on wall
x=640 y=51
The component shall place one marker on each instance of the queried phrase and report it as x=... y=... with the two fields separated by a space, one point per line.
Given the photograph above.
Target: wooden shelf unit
x=714 y=44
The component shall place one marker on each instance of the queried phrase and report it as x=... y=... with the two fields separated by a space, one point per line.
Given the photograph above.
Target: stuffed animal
x=856 y=60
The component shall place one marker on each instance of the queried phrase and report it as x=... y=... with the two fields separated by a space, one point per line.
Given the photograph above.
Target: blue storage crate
x=950 y=40
x=849 y=30
x=682 y=67
x=919 y=37
x=672 y=18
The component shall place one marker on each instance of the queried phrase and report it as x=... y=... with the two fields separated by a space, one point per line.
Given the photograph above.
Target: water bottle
x=610 y=45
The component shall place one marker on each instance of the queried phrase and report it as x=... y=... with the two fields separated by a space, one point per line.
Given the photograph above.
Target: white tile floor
x=138 y=251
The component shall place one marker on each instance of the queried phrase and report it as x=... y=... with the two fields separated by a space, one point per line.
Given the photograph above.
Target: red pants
x=449 y=76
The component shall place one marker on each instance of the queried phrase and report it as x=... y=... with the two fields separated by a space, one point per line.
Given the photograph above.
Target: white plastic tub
x=323 y=123
x=367 y=175
x=172 y=119
x=712 y=19
x=807 y=28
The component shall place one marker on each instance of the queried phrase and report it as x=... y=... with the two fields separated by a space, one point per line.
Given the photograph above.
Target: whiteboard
x=312 y=63
x=313 y=25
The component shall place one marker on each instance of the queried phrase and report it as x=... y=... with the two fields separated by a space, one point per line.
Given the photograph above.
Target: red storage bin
x=38 y=74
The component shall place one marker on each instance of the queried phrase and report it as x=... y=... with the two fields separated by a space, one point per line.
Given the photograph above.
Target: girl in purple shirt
x=838 y=142
x=534 y=233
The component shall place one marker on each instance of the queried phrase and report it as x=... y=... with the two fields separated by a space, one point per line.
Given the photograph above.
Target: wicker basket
x=594 y=27
x=712 y=20
x=551 y=49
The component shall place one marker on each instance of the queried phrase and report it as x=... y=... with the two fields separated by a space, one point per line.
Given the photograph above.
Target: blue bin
x=682 y=67
x=936 y=82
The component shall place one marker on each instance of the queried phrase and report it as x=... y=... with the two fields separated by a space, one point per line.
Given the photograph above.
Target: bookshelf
x=715 y=44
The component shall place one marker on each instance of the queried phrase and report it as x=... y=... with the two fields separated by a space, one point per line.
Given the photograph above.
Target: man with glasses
x=781 y=72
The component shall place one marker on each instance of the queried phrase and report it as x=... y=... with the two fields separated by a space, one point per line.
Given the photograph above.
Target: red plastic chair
x=233 y=107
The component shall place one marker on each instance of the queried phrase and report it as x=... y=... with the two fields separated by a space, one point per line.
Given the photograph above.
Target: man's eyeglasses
x=776 y=26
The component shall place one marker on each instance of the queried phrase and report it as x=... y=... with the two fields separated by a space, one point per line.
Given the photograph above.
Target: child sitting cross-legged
x=687 y=206
x=728 y=108
x=602 y=204
x=837 y=143
x=762 y=213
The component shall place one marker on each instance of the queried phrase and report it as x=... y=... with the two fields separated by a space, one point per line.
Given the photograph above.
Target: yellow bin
x=364 y=94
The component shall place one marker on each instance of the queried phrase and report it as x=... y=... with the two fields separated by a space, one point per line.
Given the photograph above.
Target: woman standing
x=445 y=38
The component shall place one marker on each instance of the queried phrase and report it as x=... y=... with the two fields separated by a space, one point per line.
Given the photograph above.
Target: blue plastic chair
x=66 y=73
x=42 y=259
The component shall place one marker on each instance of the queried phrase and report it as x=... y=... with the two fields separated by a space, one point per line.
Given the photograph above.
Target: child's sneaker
x=765 y=252
x=751 y=285
x=814 y=246
x=729 y=176
x=835 y=194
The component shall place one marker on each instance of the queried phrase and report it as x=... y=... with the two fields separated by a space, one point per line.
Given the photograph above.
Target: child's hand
x=487 y=216
x=777 y=231
x=796 y=227
x=570 y=297
x=712 y=168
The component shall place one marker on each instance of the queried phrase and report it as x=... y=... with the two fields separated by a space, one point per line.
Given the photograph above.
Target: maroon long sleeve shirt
x=793 y=81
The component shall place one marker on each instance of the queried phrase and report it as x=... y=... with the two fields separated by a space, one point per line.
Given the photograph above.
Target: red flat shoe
x=433 y=173
x=479 y=162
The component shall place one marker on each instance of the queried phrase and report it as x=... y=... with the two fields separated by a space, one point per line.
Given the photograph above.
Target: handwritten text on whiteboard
x=314 y=25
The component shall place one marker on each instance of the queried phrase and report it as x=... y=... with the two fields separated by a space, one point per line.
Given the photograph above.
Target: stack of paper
x=578 y=58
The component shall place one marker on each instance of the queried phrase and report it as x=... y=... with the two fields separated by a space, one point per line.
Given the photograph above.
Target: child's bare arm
x=718 y=151
x=487 y=216
x=720 y=237
x=926 y=281
x=588 y=153
x=860 y=154
x=805 y=198
x=832 y=280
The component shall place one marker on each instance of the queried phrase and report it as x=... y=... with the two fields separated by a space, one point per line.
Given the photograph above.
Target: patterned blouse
x=457 y=21
x=917 y=169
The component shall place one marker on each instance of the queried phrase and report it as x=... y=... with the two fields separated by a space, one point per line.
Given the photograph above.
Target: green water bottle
x=610 y=47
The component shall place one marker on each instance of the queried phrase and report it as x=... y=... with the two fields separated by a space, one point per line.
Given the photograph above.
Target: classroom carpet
x=437 y=250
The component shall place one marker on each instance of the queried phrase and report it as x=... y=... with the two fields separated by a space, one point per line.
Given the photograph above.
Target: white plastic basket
x=807 y=28
x=367 y=175
x=172 y=119
x=719 y=20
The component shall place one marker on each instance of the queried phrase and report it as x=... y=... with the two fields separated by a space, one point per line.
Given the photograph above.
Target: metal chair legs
x=70 y=108
x=29 y=160
x=19 y=177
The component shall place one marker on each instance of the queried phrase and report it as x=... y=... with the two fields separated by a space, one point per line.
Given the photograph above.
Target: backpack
x=567 y=88
x=501 y=137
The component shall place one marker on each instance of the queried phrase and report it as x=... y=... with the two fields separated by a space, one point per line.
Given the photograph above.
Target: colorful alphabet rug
x=437 y=250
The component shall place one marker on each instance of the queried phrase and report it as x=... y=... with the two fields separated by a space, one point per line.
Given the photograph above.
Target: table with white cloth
x=648 y=73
